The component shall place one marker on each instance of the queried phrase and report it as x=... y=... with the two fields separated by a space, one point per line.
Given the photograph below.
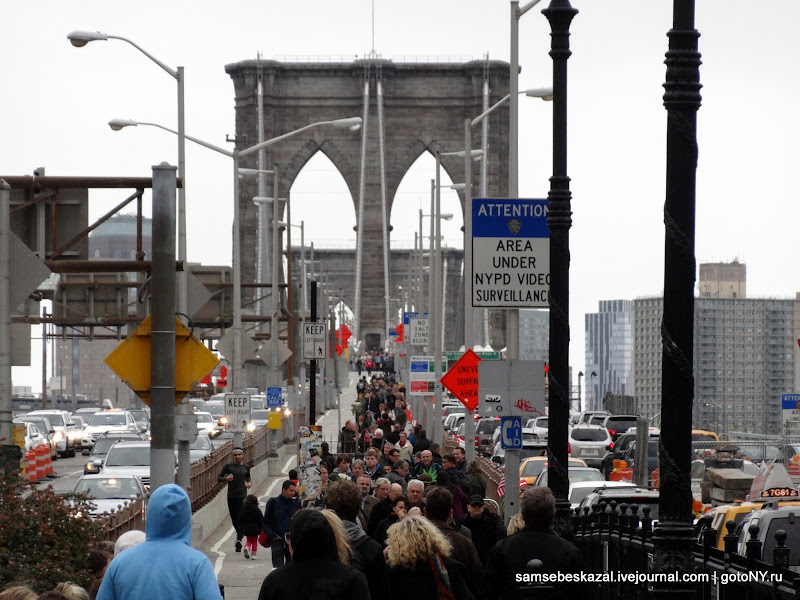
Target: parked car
x=618 y=424
x=531 y=468
x=621 y=445
x=259 y=418
x=201 y=447
x=578 y=490
x=63 y=424
x=207 y=423
x=539 y=427
x=641 y=497
x=116 y=420
x=652 y=456
x=42 y=423
x=591 y=443
x=126 y=458
x=217 y=410
x=109 y=493
x=530 y=448
x=450 y=420
x=576 y=474
x=33 y=437
x=142 y=417
x=484 y=430
x=87 y=411
x=769 y=521
x=586 y=416
x=102 y=445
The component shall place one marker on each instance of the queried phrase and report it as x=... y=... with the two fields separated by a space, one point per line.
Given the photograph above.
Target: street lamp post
x=469 y=319
x=580 y=377
x=117 y=124
x=672 y=537
x=560 y=14
x=80 y=39
x=512 y=315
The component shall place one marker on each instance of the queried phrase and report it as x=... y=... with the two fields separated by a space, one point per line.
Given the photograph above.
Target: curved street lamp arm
x=170 y=70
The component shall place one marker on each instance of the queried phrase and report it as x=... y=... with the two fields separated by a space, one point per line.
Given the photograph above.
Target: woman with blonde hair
x=417 y=559
x=18 y=592
x=343 y=549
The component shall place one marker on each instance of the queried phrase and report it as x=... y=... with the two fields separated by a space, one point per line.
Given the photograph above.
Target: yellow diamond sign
x=131 y=361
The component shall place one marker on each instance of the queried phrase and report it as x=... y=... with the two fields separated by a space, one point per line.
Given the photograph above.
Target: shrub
x=44 y=537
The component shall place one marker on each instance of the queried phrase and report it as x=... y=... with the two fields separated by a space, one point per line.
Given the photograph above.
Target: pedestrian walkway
x=242 y=578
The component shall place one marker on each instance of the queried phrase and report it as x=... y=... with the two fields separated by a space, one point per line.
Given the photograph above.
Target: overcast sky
x=56 y=100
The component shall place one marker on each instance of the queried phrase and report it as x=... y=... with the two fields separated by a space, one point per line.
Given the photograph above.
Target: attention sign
x=510 y=253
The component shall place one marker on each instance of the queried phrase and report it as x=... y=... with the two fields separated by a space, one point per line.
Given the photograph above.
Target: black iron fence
x=617 y=544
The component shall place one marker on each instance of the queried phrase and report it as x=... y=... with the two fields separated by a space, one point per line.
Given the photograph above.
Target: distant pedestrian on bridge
x=237 y=476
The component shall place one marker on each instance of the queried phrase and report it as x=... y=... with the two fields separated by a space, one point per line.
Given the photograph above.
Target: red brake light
x=569 y=448
x=612 y=432
x=611 y=446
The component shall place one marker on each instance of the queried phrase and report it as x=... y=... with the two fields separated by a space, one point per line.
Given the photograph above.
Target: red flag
x=501 y=487
x=339 y=350
x=399 y=330
x=343 y=335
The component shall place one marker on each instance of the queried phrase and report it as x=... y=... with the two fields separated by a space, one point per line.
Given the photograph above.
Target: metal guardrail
x=203 y=484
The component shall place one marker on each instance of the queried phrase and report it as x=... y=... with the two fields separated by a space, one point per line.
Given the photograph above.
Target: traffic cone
x=40 y=466
x=30 y=465
x=48 y=462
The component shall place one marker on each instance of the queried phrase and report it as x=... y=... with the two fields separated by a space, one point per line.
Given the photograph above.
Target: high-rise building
x=78 y=367
x=609 y=347
x=744 y=353
x=534 y=334
x=722 y=280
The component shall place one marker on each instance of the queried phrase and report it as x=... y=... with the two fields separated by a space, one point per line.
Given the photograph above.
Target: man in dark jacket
x=439 y=510
x=347 y=438
x=421 y=442
x=237 y=476
x=459 y=478
x=486 y=527
x=509 y=557
x=278 y=520
x=344 y=498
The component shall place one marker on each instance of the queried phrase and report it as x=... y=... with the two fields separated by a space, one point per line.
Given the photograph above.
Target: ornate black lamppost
x=560 y=14
x=673 y=537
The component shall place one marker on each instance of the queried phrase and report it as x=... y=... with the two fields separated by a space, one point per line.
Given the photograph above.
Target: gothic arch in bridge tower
x=425 y=106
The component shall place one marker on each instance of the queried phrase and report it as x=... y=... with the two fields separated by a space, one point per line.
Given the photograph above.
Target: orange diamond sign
x=462 y=379
x=131 y=361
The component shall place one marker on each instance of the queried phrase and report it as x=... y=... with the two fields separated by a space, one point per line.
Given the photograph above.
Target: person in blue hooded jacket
x=164 y=566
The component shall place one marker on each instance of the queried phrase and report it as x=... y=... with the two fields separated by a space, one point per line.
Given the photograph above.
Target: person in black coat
x=250 y=520
x=399 y=508
x=344 y=498
x=537 y=540
x=486 y=527
x=315 y=570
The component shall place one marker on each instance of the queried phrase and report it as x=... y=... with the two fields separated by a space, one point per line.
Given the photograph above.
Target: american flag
x=501 y=487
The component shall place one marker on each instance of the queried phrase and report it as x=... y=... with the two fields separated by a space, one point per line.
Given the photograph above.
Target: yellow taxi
x=703 y=435
x=530 y=468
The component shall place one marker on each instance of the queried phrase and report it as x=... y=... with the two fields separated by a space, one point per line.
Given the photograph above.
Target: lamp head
x=447 y=216
x=352 y=123
x=545 y=93
x=80 y=38
x=117 y=124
